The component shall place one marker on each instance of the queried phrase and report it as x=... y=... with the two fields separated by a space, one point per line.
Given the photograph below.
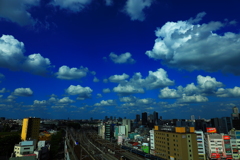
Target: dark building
x=137 y=118
x=155 y=117
x=144 y=118
x=236 y=124
x=226 y=125
x=215 y=122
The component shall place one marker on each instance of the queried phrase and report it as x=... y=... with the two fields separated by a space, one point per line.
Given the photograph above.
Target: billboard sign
x=211 y=130
x=226 y=137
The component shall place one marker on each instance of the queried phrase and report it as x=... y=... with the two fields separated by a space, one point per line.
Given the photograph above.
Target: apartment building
x=175 y=143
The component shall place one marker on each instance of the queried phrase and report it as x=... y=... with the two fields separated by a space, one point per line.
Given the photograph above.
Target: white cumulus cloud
x=109 y=102
x=12 y=57
x=118 y=78
x=65 y=72
x=169 y=93
x=127 y=89
x=192 y=99
x=229 y=92
x=122 y=58
x=189 y=46
x=16 y=11
x=26 y=92
x=106 y=90
x=95 y=79
x=82 y=92
x=66 y=100
x=72 y=5
x=134 y=8
x=208 y=84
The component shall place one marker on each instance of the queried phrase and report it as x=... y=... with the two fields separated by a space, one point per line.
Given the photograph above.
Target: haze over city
x=95 y=58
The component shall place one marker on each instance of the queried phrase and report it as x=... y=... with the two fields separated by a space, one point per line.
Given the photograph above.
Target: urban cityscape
x=119 y=79
x=115 y=138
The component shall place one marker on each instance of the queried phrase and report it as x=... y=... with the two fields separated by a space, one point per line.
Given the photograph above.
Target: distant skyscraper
x=144 y=118
x=111 y=117
x=155 y=117
x=137 y=118
x=235 y=114
x=192 y=117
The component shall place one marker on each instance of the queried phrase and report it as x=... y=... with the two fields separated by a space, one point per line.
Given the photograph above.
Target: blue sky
x=96 y=58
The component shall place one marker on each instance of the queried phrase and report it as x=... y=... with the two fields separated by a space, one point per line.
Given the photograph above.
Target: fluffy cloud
x=11 y=56
x=157 y=79
x=127 y=89
x=109 y=102
x=40 y=103
x=2 y=76
x=26 y=92
x=65 y=72
x=66 y=100
x=105 y=80
x=3 y=90
x=122 y=58
x=36 y=64
x=128 y=99
x=192 y=99
x=118 y=78
x=99 y=95
x=134 y=8
x=191 y=47
x=82 y=92
x=72 y=5
x=106 y=90
x=95 y=79
x=235 y=92
x=109 y=2
x=136 y=84
x=208 y=84
x=169 y=93
x=16 y=11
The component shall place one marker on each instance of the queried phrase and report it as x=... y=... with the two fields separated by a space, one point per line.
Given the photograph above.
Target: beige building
x=175 y=143
x=30 y=128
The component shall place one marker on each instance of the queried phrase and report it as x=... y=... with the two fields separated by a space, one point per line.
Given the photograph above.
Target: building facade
x=30 y=128
x=175 y=143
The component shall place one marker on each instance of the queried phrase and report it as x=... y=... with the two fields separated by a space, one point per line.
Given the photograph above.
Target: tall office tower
x=144 y=118
x=175 y=143
x=106 y=118
x=235 y=114
x=226 y=124
x=30 y=128
x=192 y=117
x=111 y=117
x=137 y=118
x=155 y=117
x=127 y=123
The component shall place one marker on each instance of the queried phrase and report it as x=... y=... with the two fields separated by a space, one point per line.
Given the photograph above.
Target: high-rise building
x=192 y=117
x=201 y=145
x=175 y=143
x=137 y=118
x=144 y=118
x=30 y=128
x=155 y=117
x=235 y=114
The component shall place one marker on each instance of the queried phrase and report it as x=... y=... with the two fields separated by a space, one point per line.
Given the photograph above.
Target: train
x=141 y=153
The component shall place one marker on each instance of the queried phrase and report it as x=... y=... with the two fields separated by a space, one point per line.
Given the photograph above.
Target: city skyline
x=82 y=59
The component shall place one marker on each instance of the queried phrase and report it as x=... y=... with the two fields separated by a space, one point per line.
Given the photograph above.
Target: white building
x=127 y=123
x=101 y=131
x=23 y=148
x=201 y=145
x=152 y=144
x=214 y=146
